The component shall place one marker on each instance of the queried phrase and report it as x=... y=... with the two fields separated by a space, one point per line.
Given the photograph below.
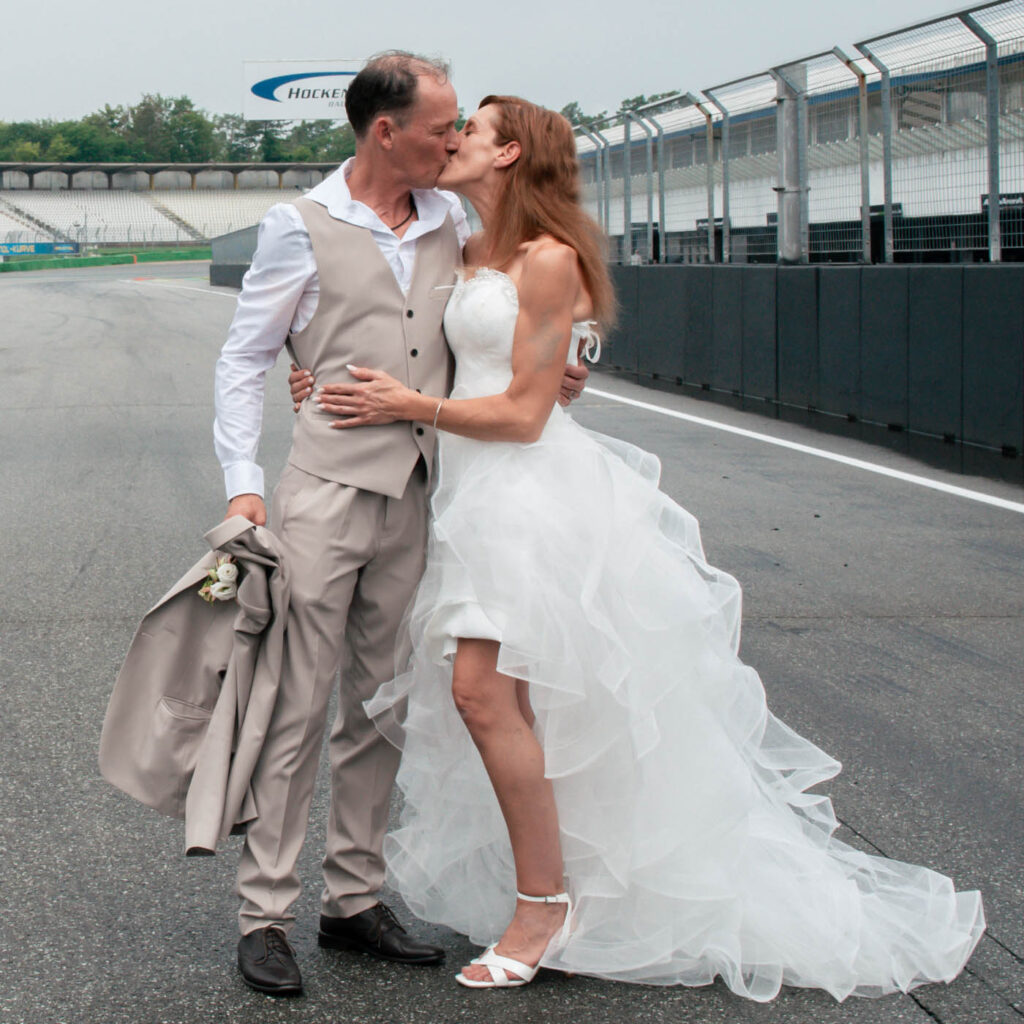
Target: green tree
x=339 y=143
x=24 y=137
x=573 y=113
x=636 y=102
x=94 y=139
x=266 y=139
x=160 y=128
x=59 y=148
x=231 y=138
x=146 y=131
x=310 y=137
x=112 y=119
x=190 y=133
x=27 y=151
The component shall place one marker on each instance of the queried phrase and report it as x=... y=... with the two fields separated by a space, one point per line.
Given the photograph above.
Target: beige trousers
x=353 y=558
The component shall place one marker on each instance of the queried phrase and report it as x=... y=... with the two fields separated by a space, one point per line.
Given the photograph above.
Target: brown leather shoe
x=377 y=932
x=268 y=964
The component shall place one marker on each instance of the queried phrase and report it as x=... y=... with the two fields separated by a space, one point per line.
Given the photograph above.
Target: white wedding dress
x=691 y=844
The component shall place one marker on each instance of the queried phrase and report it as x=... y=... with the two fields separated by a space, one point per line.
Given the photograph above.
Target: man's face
x=423 y=145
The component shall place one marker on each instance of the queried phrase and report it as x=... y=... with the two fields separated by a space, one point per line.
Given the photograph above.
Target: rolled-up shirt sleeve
x=283 y=269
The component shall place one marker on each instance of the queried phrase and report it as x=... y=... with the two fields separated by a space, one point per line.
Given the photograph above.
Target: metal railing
x=907 y=147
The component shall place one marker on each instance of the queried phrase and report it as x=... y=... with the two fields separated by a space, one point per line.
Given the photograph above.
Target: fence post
x=665 y=103
x=793 y=243
x=603 y=196
x=726 y=234
x=631 y=116
x=596 y=135
x=662 y=240
x=995 y=246
x=886 y=145
x=710 y=146
x=865 y=152
x=627 y=192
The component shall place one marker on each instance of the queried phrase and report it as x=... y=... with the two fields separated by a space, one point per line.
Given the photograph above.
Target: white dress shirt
x=279 y=296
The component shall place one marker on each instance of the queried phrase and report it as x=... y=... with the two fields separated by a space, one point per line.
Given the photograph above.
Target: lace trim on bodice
x=582 y=330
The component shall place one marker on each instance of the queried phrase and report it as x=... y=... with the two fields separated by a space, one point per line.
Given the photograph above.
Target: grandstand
x=213 y=212
x=129 y=217
x=14 y=228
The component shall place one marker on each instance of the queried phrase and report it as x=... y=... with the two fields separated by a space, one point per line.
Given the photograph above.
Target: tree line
x=162 y=128
x=168 y=129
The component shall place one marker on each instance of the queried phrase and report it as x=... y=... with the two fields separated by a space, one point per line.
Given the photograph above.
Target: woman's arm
x=547 y=292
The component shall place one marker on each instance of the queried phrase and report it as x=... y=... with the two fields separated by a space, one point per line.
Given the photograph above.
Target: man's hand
x=301 y=383
x=249 y=505
x=573 y=383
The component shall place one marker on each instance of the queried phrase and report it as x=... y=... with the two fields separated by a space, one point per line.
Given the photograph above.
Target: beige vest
x=363 y=318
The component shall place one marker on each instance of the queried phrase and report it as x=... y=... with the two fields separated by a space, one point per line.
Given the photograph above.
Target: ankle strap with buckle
x=559 y=897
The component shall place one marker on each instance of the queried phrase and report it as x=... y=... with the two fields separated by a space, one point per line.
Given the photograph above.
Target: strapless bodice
x=480 y=324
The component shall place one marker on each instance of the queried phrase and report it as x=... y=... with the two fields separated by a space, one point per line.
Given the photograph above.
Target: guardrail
x=928 y=350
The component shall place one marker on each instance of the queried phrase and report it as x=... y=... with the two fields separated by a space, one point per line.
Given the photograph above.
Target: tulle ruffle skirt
x=692 y=844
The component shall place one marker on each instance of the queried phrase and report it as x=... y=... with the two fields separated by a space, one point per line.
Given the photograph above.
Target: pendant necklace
x=407 y=217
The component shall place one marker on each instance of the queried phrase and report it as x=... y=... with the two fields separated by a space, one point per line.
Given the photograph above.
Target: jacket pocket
x=183 y=710
x=168 y=758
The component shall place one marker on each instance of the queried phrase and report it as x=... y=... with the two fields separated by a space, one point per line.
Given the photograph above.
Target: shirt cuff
x=243 y=478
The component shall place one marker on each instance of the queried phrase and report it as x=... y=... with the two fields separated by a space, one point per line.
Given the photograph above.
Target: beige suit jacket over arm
x=191 y=704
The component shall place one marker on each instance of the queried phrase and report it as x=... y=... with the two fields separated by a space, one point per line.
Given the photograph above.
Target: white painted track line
x=820 y=453
x=151 y=283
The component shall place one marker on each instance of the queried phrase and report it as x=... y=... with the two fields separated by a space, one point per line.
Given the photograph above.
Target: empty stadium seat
x=213 y=212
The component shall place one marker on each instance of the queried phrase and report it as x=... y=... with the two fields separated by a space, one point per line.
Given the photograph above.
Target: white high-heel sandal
x=499 y=966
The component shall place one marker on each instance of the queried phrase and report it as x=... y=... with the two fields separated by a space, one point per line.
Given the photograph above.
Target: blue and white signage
x=38 y=248
x=297 y=90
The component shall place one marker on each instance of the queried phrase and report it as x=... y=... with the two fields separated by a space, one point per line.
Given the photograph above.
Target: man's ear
x=383 y=130
x=508 y=155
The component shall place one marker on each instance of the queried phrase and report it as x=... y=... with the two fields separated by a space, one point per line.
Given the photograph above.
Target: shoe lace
x=386 y=919
x=277 y=943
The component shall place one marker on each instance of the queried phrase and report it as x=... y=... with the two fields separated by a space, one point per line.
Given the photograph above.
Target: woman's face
x=478 y=150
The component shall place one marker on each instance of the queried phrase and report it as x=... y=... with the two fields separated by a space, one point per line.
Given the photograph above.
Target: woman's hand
x=573 y=383
x=376 y=398
x=301 y=383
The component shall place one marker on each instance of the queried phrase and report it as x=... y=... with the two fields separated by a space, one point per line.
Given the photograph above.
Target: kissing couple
x=591 y=778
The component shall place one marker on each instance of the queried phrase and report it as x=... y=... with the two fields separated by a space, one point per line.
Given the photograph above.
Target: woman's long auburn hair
x=541 y=195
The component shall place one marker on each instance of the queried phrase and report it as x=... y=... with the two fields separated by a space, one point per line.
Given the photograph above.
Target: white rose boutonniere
x=227 y=573
x=221 y=583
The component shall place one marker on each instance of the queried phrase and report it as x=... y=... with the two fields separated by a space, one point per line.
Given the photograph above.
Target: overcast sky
x=65 y=58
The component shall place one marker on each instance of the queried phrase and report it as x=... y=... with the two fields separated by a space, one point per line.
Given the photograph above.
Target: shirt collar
x=333 y=193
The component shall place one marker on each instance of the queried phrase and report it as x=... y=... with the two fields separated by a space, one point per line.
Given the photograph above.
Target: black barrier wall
x=936 y=351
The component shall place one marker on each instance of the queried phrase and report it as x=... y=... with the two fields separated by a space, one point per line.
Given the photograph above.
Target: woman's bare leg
x=496 y=710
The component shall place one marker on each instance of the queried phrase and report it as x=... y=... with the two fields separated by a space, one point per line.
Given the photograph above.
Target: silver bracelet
x=437 y=412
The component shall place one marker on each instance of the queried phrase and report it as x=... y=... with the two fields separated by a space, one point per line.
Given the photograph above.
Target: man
x=356 y=272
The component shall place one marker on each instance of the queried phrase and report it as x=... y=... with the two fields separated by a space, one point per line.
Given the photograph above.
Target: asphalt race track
x=885 y=615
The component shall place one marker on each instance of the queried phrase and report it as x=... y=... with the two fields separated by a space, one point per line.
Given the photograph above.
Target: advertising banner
x=297 y=90
x=38 y=248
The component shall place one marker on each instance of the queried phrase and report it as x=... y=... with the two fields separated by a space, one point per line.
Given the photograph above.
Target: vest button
x=408 y=313
x=419 y=431
x=414 y=352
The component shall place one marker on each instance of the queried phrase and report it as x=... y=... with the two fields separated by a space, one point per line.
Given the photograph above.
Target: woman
x=588 y=716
